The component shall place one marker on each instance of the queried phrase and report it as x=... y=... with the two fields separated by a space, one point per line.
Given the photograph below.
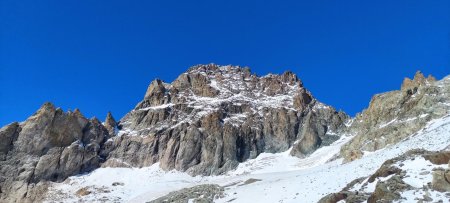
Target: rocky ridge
x=393 y=116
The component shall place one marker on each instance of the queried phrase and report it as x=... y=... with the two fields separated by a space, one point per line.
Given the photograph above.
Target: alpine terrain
x=225 y=134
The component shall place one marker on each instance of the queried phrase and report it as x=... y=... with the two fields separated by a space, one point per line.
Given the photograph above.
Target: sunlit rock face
x=395 y=115
x=213 y=117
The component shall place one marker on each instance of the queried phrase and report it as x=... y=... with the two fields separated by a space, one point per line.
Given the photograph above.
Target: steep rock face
x=213 y=117
x=110 y=124
x=394 y=115
x=51 y=145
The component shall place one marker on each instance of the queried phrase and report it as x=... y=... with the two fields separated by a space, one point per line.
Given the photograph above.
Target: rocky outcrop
x=393 y=116
x=199 y=193
x=51 y=145
x=213 y=117
x=411 y=86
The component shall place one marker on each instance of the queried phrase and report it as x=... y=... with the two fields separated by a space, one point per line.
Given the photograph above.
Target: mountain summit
x=213 y=117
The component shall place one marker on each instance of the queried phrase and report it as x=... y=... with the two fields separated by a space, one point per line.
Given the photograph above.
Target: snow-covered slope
x=276 y=177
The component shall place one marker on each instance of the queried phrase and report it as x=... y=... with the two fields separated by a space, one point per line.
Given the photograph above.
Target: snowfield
x=281 y=178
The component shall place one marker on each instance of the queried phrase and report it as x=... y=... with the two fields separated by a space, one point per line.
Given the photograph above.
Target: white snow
x=414 y=168
x=157 y=107
x=283 y=178
x=388 y=123
x=396 y=120
x=419 y=174
x=136 y=181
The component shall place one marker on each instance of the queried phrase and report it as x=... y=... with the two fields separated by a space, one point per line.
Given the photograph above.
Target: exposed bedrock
x=213 y=117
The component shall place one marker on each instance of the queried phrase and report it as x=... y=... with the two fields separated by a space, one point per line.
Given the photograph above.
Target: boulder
x=441 y=180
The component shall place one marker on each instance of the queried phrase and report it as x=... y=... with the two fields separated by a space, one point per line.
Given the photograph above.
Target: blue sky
x=100 y=56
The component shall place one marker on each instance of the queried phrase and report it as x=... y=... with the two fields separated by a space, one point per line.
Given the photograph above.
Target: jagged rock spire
x=110 y=124
x=155 y=88
x=419 y=79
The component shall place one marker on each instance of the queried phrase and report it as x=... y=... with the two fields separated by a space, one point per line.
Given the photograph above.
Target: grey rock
x=197 y=194
x=51 y=145
x=212 y=117
x=8 y=135
x=389 y=190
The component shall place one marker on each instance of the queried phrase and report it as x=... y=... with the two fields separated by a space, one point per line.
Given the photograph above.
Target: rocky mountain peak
x=77 y=112
x=419 y=79
x=156 y=87
x=212 y=117
x=46 y=107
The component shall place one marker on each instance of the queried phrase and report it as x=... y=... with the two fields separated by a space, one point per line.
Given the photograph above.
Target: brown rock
x=441 y=180
x=334 y=197
x=389 y=190
x=438 y=158
x=83 y=192
x=302 y=99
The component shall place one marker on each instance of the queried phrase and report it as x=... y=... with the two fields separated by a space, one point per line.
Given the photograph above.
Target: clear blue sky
x=100 y=56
